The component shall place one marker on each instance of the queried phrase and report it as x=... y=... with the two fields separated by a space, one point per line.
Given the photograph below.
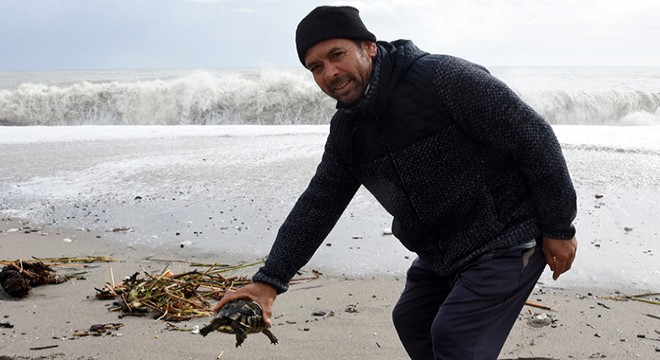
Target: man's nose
x=331 y=72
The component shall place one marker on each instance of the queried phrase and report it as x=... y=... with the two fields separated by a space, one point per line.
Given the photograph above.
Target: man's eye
x=337 y=54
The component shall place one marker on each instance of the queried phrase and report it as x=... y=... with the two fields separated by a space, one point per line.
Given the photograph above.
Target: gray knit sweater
x=463 y=165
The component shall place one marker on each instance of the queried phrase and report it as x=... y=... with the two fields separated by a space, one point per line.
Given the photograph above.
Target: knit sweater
x=463 y=165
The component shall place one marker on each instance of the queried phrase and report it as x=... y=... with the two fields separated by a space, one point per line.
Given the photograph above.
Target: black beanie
x=329 y=22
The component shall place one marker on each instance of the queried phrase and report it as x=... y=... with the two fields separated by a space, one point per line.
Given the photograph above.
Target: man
x=474 y=178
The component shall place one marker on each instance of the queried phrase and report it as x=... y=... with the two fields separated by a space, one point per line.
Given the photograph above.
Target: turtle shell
x=240 y=317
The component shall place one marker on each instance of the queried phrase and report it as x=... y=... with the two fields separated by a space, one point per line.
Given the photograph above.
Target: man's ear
x=371 y=48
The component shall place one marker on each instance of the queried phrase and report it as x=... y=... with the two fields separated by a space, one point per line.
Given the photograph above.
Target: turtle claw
x=271 y=336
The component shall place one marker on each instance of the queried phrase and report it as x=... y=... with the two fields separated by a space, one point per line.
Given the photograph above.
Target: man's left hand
x=559 y=254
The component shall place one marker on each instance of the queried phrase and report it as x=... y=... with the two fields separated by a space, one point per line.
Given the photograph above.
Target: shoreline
x=583 y=322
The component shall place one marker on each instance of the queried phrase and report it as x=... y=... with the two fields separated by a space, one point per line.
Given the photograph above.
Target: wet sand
x=583 y=323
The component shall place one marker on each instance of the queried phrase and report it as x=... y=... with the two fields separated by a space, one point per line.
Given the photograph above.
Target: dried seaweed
x=175 y=297
x=649 y=298
x=19 y=277
x=63 y=260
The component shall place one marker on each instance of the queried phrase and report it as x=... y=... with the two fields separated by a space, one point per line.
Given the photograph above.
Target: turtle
x=240 y=317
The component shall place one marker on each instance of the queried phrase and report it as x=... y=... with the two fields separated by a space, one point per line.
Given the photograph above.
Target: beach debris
x=172 y=327
x=105 y=327
x=172 y=297
x=386 y=231
x=540 y=320
x=300 y=278
x=649 y=297
x=603 y=305
x=536 y=305
x=628 y=229
x=6 y=325
x=176 y=297
x=98 y=329
x=351 y=308
x=240 y=317
x=69 y=260
x=19 y=277
x=64 y=261
x=44 y=347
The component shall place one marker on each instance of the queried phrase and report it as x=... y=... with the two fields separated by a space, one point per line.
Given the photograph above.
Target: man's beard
x=351 y=82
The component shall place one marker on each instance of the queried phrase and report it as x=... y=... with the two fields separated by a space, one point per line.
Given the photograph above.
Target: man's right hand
x=261 y=293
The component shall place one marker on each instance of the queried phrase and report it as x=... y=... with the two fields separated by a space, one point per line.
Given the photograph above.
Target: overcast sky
x=189 y=34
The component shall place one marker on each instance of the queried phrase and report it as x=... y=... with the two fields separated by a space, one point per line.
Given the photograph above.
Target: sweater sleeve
x=310 y=221
x=490 y=112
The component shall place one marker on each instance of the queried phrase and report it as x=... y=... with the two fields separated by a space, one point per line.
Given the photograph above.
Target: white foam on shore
x=228 y=188
x=47 y=134
x=626 y=137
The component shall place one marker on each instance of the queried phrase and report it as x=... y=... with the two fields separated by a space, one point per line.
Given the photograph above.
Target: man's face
x=341 y=68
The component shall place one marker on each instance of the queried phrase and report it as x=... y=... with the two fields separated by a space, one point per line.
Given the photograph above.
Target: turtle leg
x=239 y=330
x=271 y=336
x=207 y=329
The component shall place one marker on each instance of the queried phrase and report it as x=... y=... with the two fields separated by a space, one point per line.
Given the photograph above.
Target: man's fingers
x=550 y=259
x=261 y=293
x=268 y=313
x=225 y=299
x=560 y=268
x=556 y=266
x=559 y=255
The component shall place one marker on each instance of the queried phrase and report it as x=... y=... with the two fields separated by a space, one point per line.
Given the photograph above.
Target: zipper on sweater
x=353 y=142
x=400 y=178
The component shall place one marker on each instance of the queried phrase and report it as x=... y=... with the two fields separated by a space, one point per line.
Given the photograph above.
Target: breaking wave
x=269 y=97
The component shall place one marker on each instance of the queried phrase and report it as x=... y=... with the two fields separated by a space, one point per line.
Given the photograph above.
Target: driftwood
x=533 y=304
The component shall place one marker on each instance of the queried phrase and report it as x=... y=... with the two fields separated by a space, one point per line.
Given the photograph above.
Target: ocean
x=563 y=95
x=215 y=159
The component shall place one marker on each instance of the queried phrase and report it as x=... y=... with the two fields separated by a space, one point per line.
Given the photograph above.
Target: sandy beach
x=583 y=323
x=222 y=192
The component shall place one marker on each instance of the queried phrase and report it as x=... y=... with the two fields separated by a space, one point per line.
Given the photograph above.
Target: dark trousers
x=470 y=316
